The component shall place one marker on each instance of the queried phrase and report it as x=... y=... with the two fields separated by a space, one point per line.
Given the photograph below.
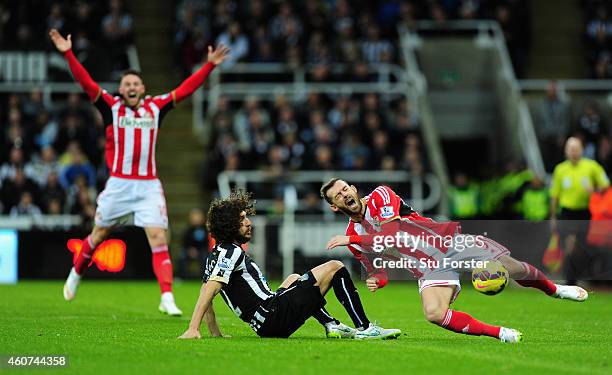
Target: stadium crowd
x=52 y=156
x=101 y=30
x=320 y=32
x=323 y=133
x=598 y=38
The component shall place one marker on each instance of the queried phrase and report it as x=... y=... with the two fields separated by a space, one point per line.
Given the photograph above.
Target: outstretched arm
x=185 y=89
x=81 y=75
x=207 y=293
x=377 y=277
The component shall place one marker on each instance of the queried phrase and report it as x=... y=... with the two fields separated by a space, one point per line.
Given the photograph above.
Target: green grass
x=114 y=328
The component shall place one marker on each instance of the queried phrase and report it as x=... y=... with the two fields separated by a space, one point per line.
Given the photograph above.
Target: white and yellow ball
x=491 y=279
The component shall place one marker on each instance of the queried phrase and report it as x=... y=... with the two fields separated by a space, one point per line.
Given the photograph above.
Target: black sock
x=346 y=293
x=323 y=317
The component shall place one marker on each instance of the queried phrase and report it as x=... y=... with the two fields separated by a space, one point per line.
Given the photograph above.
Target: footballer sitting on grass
x=384 y=214
x=230 y=271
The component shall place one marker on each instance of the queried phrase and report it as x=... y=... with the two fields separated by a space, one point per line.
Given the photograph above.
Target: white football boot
x=510 y=335
x=339 y=331
x=71 y=285
x=571 y=292
x=374 y=332
x=167 y=305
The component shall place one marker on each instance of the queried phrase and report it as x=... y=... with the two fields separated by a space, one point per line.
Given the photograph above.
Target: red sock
x=162 y=266
x=84 y=258
x=536 y=279
x=461 y=322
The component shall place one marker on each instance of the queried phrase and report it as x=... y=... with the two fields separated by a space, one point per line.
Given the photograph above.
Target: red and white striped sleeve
x=384 y=204
x=365 y=261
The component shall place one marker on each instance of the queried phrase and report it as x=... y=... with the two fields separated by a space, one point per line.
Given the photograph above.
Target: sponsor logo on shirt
x=134 y=122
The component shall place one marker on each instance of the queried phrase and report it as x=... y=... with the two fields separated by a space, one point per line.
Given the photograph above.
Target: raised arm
x=185 y=89
x=207 y=293
x=81 y=75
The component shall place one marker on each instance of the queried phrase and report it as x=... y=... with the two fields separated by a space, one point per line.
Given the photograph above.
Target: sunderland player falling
x=133 y=191
x=231 y=272
x=384 y=213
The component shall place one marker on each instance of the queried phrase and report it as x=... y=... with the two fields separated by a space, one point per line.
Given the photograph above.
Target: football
x=491 y=279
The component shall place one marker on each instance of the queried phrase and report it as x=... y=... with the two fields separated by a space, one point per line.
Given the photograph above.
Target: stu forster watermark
x=410 y=263
x=405 y=240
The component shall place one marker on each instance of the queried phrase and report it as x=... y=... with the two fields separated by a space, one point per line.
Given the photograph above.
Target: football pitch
x=115 y=328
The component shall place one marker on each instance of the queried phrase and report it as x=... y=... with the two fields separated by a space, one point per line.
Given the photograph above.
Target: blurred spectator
x=72 y=130
x=352 y=152
x=26 y=206
x=463 y=197
x=535 y=201
x=117 y=25
x=80 y=195
x=311 y=205
x=236 y=41
x=54 y=207
x=16 y=135
x=323 y=159
x=75 y=164
x=46 y=130
x=8 y=170
x=117 y=32
x=56 y=19
x=53 y=191
x=13 y=188
x=553 y=124
x=375 y=49
x=285 y=28
x=592 y=129
x=195 y=246
x=39 y=168
x=34 y=104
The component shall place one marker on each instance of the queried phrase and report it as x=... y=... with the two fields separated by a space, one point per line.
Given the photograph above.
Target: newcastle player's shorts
x=289 y=309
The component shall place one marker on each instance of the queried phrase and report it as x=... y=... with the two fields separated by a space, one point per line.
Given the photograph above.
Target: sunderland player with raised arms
x=231 y=272
x=133 y=191
x=384 y=213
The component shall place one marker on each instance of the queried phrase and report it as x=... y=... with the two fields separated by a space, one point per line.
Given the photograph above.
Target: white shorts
x=132 y=202
x=490 y=250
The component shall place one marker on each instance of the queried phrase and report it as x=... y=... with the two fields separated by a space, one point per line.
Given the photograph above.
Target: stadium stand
x=51 y=160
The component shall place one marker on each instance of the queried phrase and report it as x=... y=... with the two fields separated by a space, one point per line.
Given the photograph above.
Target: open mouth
x=132 y=95
x=351 y=203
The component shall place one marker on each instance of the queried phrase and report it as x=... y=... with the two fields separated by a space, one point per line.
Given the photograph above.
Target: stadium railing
x=278 y=78
x=39 y=221
x=516 y=117
x=315 y=230
x=33 y=66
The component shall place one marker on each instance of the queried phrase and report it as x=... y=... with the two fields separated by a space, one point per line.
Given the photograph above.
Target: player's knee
x=335 y=265
x=514 y=267
x=434 y=313
x=157 y=238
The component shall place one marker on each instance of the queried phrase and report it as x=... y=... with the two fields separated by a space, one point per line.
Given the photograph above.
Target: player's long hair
x=224 y=215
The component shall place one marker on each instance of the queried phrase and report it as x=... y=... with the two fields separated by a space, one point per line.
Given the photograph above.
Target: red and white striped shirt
x=131 y=134
x=384 y=206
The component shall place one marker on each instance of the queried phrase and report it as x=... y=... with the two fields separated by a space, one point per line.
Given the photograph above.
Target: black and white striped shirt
x=245 y=287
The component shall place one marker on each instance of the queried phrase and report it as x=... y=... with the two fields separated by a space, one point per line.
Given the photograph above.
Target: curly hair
x=224 y=215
